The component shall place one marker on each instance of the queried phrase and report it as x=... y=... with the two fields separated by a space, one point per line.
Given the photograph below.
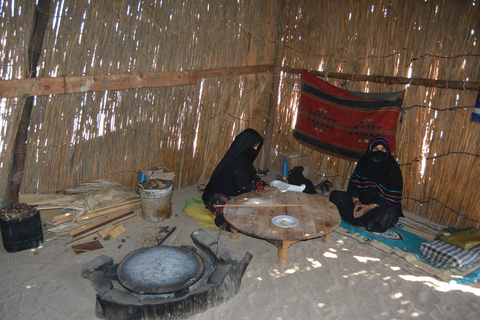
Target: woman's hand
x=362 y=209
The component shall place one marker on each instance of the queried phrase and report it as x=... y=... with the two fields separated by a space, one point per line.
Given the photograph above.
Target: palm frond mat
x=197 y=211
x=404 y=241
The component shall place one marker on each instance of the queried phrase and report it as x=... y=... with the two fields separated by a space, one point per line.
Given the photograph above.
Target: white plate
x=284 y=221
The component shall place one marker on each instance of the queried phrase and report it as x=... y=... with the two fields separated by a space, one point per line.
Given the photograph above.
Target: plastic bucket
x=157 y=203
x=22 y=234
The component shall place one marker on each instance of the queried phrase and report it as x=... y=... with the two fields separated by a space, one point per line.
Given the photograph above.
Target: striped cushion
x=446 y=255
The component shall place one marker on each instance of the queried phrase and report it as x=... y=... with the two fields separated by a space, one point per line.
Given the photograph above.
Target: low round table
x=253 y=214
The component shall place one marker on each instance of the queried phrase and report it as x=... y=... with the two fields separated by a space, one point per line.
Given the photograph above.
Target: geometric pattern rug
x=341 y=123
x=404 y=240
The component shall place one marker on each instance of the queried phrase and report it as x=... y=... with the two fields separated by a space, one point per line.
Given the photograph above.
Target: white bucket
x=157 y=203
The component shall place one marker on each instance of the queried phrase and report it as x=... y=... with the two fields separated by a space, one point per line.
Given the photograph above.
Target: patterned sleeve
x=256 y=185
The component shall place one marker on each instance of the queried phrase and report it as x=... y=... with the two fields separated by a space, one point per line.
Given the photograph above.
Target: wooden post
x=277 y=69
x=20 y=147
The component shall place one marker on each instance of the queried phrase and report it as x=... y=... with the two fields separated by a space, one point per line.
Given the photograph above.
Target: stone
x=210 y=246
x=120 y=297
x=100 y=263
x=100 y=281
x=220 y=272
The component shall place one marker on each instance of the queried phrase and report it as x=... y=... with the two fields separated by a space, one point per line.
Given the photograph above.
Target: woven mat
x=404 y=241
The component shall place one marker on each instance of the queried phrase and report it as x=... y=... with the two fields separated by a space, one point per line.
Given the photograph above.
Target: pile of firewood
x=96 y=209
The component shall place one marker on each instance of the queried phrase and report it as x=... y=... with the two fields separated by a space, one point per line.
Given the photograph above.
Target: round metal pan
x=160 y=269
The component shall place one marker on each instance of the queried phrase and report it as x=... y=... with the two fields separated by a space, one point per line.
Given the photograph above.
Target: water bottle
x=142 y=177
x=285 y=168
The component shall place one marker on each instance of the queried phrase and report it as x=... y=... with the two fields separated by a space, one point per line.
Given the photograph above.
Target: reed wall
x=437 y=144
x=78 y=138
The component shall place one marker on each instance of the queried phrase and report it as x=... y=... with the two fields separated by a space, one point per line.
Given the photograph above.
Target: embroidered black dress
x=375 y=180
x=234 y=175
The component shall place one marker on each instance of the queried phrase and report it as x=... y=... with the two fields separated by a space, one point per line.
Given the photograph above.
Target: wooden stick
x=86 y=228
x=62 y=216
x=277 y=69
x=87 y=247
x=260 y=205
x=115 y=207
x=94 y=233
x=126 y=220
x=445 y=84
x=100 y=214
x=89 y=237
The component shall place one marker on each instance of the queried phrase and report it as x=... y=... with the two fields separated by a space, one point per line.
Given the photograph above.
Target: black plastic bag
x=295 y=177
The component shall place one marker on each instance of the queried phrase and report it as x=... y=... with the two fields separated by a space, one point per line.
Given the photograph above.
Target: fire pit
x=220 y=281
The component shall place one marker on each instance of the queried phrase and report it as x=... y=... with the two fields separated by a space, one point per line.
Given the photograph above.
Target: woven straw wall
x=78 y=138
x=438 y=147
x=111 y=135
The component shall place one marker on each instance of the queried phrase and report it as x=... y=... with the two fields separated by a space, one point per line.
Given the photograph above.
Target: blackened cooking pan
x=160 y=269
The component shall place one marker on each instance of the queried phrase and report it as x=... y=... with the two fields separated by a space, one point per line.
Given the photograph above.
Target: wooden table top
x=316 y=218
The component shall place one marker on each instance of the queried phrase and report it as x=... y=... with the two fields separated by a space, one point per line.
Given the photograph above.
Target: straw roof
x=112 y=134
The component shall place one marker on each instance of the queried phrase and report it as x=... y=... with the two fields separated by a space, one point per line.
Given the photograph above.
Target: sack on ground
x=295 y=176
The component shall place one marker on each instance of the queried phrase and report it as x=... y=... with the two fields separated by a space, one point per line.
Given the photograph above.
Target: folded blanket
x=445 y=255
x=195 y=208
x=464 y=239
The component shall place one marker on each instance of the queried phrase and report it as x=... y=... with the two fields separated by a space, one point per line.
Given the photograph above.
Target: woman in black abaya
x=235 y=174
x=374 y=193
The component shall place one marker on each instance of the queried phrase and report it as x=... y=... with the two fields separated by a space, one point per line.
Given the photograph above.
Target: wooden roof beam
x=79 y=84
x=446 y=84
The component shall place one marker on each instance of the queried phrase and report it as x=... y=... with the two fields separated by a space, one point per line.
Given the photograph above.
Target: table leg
x=282 y=246
x=283 y=253
x=326 y=238
x=234 y=233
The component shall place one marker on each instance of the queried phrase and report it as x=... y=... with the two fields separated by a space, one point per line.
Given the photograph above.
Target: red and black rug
x=341 y=123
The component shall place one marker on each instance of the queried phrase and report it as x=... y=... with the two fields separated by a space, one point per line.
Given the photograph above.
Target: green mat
x=196 y=209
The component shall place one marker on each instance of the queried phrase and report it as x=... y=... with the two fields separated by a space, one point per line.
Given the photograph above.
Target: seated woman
x=373 y=196
x=235 y=174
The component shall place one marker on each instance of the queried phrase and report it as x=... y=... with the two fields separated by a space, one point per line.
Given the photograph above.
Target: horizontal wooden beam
x=75 y=84
x=223 y=72
x=447 y=84
x=78 y=84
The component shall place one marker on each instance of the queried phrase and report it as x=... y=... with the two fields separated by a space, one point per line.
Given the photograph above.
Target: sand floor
x=339 y=280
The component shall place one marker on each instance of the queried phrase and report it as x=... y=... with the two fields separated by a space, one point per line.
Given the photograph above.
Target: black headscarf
x=241 y=149
x=377 y=177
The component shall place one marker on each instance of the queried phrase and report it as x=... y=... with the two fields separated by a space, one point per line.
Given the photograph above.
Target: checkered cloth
x=445 y=255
